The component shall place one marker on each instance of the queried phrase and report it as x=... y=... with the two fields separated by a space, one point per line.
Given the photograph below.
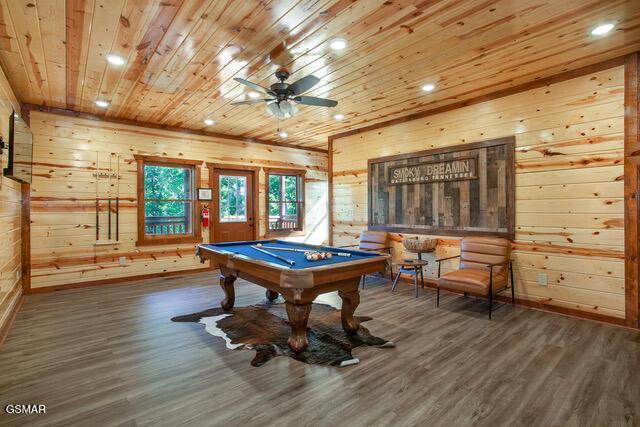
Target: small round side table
x=414 y=268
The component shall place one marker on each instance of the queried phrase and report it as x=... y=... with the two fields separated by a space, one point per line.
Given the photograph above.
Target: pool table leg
x=350 y=301
x=298 y=318
x=226 y=283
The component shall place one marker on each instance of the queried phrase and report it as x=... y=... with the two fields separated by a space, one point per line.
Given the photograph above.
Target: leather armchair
x=378 y=241
x=485 y=268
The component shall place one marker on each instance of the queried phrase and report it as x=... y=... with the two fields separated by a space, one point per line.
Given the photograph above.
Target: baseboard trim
x=117 y=280
x=6 y=327
x=566 y=311
x=540 y=306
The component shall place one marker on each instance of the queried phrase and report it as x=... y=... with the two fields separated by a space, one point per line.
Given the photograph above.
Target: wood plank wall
x=10 y=217
x=63 y=195
x=569 y=185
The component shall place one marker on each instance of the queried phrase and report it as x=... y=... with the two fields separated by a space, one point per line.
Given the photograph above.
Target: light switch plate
x=123 y=260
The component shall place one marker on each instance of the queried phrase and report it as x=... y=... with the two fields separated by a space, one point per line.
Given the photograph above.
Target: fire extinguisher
x=204 y=215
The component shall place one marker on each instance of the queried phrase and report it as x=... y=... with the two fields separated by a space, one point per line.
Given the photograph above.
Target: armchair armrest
x=495 y=264
x=386 y=248
x=445 y=259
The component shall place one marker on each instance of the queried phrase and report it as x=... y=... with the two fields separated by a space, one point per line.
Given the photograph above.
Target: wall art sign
x=447 y=170
x=456 y=190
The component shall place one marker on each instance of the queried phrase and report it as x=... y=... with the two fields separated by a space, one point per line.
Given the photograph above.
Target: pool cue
x=97 y=219
x=288 y=261
x=109 y=202
x=117 y=218
x=118 y=199
x=343 y=254
x=97 y=199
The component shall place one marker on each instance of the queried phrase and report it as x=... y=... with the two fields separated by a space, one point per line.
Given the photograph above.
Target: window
x=167 y=206
x=285 y=200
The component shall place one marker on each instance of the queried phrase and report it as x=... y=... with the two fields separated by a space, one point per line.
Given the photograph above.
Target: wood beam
x=27 y=108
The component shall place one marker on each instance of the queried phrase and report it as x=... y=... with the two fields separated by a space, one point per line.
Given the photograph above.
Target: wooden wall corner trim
x=25 y=236
x=567 y=75
x=6 y=327
x=631 y=188
x=330 y=187
x=27 y=108
x=118 y=280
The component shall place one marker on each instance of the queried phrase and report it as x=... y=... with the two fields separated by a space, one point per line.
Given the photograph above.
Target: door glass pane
x=233 y=198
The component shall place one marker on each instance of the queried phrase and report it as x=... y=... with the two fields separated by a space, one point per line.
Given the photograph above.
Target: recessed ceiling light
x=209 y=122
x=283 y=134
x=338 y=116
x=602 y=29
x=338 y=44
x=116 y=59
x=253 y=95
x=428 y=87
x=102 y=104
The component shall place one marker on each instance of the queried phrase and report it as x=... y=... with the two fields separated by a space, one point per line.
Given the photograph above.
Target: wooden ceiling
x=183 y=54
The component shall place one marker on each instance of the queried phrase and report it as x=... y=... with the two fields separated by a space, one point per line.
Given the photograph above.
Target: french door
x=233 y=214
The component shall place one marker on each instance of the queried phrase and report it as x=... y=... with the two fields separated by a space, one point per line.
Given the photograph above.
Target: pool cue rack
x=107 y=171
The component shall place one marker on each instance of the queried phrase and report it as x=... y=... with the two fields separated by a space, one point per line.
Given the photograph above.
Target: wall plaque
x=448 y=170
x=458 y=190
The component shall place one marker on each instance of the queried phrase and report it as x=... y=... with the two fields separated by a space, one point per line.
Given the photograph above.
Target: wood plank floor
x=110 y=356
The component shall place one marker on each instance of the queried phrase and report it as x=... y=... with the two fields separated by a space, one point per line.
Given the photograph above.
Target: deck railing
x=283 y=223
x=161 y=225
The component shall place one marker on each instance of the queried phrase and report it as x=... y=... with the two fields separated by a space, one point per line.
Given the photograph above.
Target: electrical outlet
x=123 y=260
x=542 y=279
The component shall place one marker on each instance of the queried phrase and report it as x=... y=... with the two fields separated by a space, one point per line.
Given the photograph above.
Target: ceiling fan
x=281 y=94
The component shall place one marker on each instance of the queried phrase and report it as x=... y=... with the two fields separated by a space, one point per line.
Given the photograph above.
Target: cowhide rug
x=265 y=329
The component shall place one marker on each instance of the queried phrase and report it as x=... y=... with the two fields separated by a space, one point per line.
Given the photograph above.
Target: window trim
x=298 y=231
x=196 y=231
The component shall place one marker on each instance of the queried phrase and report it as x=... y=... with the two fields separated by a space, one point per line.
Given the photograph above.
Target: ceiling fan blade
x=251 y=101
x=312 y=100
x=253 y=86
x=304 y=84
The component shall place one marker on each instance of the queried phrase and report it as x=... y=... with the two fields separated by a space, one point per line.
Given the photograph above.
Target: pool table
x=299 y=284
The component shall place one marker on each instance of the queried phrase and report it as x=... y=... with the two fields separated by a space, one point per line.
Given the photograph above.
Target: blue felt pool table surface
x=244 y=248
